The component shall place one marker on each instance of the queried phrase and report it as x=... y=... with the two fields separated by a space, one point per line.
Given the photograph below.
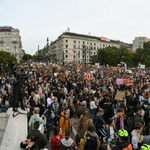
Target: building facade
x=10 y=41
x=73 y=47
x=138 y=42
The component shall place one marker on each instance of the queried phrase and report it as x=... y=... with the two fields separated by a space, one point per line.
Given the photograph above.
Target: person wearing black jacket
x=60 y=96
x=29 y=143
x=39 y=137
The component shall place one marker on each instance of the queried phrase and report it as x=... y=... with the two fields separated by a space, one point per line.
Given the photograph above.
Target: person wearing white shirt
x=93 y=107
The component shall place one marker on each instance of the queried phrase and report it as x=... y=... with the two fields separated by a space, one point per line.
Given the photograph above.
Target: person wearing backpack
x=64 y=121
x=50 y=119
x=136 y=118
x=123 y=143
x=99 y=122
x=90 y=140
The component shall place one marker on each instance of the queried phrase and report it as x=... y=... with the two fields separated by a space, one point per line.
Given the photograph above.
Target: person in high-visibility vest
x=145 y=147
x=123 y=144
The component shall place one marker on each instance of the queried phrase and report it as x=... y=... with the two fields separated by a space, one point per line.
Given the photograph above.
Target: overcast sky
x=39 y=19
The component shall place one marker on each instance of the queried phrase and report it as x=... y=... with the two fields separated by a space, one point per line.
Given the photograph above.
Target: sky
x=38 y=19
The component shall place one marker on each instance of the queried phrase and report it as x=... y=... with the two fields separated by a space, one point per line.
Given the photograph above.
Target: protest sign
x=119 y=81
x=120 y=95
x=61 y=78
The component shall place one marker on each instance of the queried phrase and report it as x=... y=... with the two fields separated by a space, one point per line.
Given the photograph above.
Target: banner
x=119 y=81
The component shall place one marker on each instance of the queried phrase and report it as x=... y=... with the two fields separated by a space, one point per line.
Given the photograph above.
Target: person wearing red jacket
x=56 y=138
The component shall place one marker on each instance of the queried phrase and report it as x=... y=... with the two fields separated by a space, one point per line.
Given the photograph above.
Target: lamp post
x=38 y=53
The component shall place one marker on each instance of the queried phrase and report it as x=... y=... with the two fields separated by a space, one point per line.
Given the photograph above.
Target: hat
x=119 y=110
x=91 y=129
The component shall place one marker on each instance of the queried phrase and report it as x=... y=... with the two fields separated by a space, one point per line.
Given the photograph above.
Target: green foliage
x=27 y=57
x=7 y=58
x=37 y=57
x=113 y=56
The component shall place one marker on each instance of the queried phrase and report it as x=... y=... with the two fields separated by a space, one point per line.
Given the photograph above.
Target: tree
x=114 y=55
x=145 y=54
x=7 y=58
x=27 y=57
x=137 y=56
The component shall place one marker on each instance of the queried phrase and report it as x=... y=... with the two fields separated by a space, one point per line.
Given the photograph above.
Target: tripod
x=18 y=112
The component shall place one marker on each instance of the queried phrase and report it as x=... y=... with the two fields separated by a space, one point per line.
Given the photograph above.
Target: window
x=90 y=56
x=91 y=52
x=83 y=52
x=91 y=47
x=94 y=43
x=74 y=52
x=103 y=44
x=91 y=43
x=66 y=56
x=74 y=42
x=94 y=48
x=7 y=39
x=82 y=56
x=106 y=45
x=1 y=33
x=94 y=53
x=66 y=51
x=66 y=46
x=7 y=50
x=66 y=41
x=74 y=56
x=83 y=42
x=74 y=46
x=1 y=45
x=87 y=57
x=7 y=44
x=79 y=42
x=14 y=39
x=14 y=33
x=87 y=43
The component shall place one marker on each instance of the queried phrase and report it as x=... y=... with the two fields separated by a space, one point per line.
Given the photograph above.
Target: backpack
x=130 y=123
x=85 y=139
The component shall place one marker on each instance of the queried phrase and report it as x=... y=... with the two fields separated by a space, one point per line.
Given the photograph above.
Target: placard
x=61 y=78
x=120 y=95
x=119 y=81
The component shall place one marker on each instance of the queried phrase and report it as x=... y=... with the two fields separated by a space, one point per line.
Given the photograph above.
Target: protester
x=67 y=142
x=90 y=140
x=56 y=138
x=65 y=119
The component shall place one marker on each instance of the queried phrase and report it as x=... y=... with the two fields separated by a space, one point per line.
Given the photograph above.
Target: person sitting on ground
x=29 y=143
x=123 y=141
x=137 y=139
x=39 y=137
x=56 y=138
x=67 y=142
x=90 y=140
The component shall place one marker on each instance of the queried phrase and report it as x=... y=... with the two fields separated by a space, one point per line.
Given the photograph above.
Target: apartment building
x=138 y=42
x=70 y=47
x=10 y=41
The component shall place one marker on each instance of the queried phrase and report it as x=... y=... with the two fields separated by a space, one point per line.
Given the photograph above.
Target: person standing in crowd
x=90 y=140
x=67 y=142
x=56 y=138
x=50 y=119
x=65 y=119
x=118 y=118
x=36 y=117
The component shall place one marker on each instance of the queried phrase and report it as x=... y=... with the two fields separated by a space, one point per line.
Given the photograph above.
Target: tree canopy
x=114 y=55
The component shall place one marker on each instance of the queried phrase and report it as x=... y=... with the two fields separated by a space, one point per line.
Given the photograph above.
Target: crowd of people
x=57 y=93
